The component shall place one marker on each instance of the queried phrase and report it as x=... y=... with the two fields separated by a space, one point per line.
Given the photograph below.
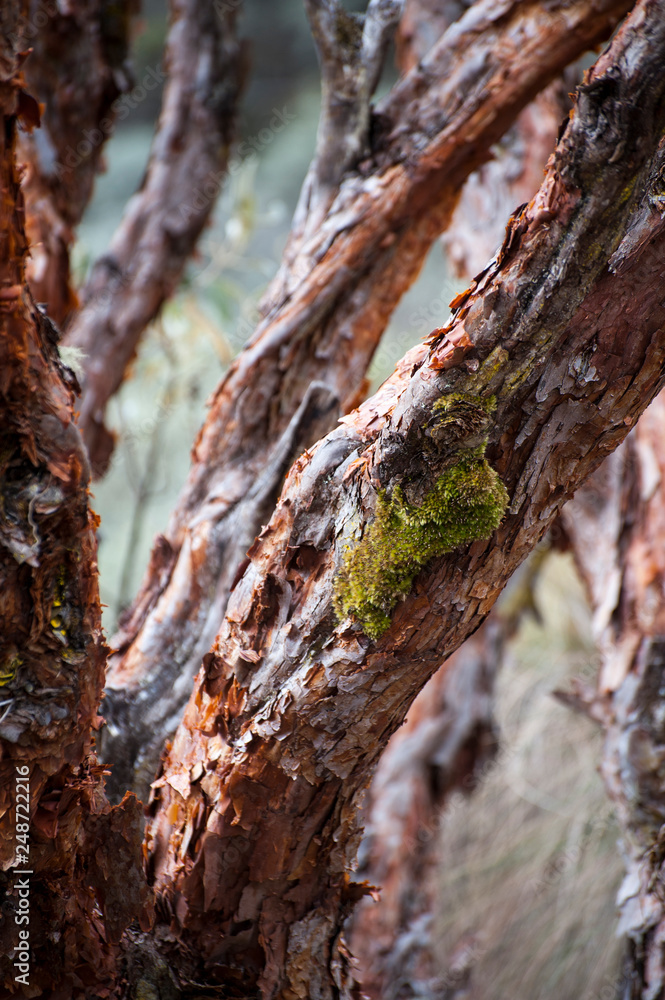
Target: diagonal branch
x=449 y=730
x=162 y=223
x=514 y=172
x=255 y=818
x=325 y=313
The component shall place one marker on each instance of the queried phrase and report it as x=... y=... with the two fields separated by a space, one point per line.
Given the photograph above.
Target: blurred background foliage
x=183 y=356
x=529 y=862
x=530 y=867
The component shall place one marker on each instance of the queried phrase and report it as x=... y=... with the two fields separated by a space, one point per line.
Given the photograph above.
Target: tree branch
x=514 y=172
x=326 y=311
x=449 y=730
x=77 y=70
x=255 y=817
x=351 y=50
x=158 y=233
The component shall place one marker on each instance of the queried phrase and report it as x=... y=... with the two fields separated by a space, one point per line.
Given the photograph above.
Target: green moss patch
x=466 y=503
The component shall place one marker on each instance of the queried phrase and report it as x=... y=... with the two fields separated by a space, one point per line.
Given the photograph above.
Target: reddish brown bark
x=255 y=819
x=450 y=725
x=76 y=70
x=51 y=648
x=491 y=193
x=161 y=225
x=617 y=527
x=449 y=729
x=516 y=168
x=324 y=315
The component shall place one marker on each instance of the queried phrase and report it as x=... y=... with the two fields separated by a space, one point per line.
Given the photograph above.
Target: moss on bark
x=466 y=503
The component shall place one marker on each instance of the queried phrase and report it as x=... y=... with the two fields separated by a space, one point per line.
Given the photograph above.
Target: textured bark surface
x=449 y=731
x=324 y=315
x=76 y=70
x=617 y=526
x=163 y=222
x=515 y=171
x=351 y=52
x=254 y=824
x=51 y=648
x=490 y=195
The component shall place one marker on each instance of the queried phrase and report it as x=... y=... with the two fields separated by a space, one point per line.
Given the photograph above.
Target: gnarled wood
x=254 y=822
x=52 y=652
x=324 y=315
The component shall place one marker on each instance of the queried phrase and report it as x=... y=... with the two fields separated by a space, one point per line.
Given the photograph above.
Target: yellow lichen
x=9 y=669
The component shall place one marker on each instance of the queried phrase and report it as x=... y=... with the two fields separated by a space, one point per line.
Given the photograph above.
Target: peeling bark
x=76 y=70
x=449 y=731
x=162 y=223
x=511 y=178
x=255 y=819
x=254 y=822
x=52 y=651
x=324 y=315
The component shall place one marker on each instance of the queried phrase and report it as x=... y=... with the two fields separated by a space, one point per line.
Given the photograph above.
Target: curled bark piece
x=53 y=810
x=324 y=315
x=254 y=822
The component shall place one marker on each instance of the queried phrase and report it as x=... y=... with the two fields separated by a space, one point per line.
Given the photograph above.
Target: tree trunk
x=324 y=315
x=327 y=637
x=64 y=908
x=389 y=545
